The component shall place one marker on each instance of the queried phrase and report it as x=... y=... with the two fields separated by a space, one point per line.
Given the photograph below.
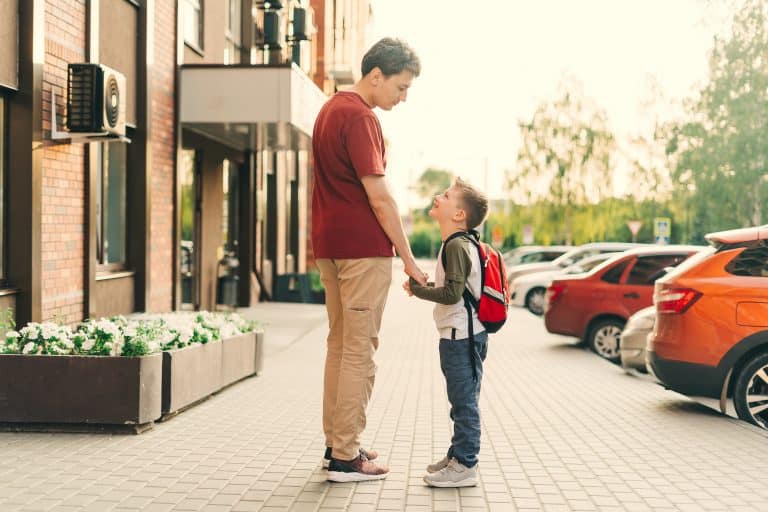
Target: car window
x=752 y=261
x=613 y=275
x=531 y=258
x=648 y=269
x=549 y=256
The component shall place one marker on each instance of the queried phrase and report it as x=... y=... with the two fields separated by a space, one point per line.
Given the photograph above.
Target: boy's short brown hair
x=475 y=203
x=391 y=56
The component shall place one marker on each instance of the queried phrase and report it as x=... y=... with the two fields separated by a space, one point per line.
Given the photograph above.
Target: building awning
x=250 y=107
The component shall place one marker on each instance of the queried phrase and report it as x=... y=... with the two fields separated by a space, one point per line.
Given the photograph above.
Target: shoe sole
x=342 y=476
x=467 y=482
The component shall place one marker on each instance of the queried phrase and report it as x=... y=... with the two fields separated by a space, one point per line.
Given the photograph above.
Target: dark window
x=649 y=268
x=111 y=201
x=3 y=157
x=752 y=261
x=613 y=275
x=192 y=11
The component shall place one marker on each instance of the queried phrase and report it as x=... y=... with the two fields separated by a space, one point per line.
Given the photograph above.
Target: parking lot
x=562 y=430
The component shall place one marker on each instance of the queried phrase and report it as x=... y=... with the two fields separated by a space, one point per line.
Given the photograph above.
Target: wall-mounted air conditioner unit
x=95 y=101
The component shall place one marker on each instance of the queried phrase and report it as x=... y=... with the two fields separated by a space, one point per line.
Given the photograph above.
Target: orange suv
x=711 y=332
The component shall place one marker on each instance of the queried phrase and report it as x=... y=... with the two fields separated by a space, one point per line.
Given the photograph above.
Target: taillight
x=554 y=292
x=675 y=300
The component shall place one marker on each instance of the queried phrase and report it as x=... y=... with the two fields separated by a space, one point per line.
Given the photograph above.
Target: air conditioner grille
x=81 y=115
x=112 y=103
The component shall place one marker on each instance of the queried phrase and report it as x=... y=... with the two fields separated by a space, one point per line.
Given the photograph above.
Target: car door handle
x=632 y=295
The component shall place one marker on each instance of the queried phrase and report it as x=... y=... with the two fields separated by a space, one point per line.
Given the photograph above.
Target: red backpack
x=494 y=299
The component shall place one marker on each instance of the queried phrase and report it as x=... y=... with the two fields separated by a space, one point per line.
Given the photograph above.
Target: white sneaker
x=454 y=474
x=437 y=466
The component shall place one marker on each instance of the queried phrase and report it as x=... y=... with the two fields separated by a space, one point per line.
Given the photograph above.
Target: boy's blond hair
x=474 y=201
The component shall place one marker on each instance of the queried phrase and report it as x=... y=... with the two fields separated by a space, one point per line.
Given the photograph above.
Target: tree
x=722 y=149
x=433 y=182
x=565 y=156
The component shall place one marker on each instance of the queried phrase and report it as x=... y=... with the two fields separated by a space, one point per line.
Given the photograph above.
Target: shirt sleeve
x=458 y=265
x=365 y=146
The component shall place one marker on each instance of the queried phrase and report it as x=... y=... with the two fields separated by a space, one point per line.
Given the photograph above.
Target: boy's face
x=447 y=207
x=391 y=90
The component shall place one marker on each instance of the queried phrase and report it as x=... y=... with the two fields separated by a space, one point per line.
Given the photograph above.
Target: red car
x=595 y=306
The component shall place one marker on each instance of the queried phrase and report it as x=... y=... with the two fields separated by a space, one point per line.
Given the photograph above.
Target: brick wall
x=63 y=177
x=163 y=143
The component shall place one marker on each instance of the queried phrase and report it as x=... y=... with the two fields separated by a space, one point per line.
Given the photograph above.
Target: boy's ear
x=460 y=215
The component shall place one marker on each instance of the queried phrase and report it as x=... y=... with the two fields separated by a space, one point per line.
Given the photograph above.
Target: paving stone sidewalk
x=562 y=430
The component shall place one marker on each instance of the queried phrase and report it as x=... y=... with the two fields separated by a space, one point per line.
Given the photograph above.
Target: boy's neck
x=446 y=231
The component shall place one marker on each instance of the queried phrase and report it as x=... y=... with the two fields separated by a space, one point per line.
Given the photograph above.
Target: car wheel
x=750 y=394
x=604 y=338
x=534 y=301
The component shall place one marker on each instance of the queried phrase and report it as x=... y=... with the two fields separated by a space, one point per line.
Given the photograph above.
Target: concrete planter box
x=193 y=373
x=190 y=374
x=259 y=367
x=238 y=358
x=80 y=389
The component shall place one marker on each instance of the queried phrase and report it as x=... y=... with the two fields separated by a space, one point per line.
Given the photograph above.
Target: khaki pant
x=355 y=295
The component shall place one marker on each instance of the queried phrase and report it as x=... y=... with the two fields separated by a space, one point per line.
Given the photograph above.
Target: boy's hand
x=407 y=288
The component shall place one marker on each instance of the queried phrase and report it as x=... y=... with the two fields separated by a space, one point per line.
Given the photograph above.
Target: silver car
x=633 y=339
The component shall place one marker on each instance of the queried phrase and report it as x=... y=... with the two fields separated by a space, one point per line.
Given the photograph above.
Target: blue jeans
x=464 y=393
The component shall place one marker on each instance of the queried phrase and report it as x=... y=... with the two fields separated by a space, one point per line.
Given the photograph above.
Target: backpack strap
x=470 y=302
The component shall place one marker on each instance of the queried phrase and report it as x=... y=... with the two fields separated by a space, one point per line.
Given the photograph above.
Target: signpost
x=497 y=235
x=634 y=228
x=527 y=234
x=662 y=230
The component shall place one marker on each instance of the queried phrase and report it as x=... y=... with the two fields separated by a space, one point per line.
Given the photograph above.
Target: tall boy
x=459 y=209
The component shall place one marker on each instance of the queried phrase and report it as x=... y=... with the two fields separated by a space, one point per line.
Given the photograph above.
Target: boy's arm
x=458 y=264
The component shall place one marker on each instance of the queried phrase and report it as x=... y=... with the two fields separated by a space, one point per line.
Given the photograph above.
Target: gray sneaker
x=437 y=466
x=454 y=474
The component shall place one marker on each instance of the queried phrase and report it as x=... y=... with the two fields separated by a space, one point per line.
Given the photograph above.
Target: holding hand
x=416 y=273
x=407 y=288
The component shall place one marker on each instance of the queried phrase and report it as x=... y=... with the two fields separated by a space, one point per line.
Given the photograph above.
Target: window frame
x=233 y=36
x=199 y=46
x=101 y=216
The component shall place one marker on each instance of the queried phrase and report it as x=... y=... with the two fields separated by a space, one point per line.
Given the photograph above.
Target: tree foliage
x=707 y=170
x=721 y=148
x=565 y=155
x=434 y=181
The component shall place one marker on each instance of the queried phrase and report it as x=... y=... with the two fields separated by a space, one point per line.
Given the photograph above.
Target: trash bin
x=292 y=287
x=228 y=280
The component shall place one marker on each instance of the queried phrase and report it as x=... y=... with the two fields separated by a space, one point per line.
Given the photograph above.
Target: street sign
x=634 y=228
x=662 y=230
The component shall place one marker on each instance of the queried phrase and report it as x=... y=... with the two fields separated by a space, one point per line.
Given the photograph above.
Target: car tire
x=534 y=300
x=752 y=381
x=604 y=337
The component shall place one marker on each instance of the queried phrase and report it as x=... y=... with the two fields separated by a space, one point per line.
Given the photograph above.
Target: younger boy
x=461 y=208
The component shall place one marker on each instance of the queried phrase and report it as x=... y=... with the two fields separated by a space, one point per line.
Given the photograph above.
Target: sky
x=487 y=65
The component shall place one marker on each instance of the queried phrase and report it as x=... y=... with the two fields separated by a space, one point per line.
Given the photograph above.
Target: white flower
x=11 y=334
x=88 y=344
x=28 y=348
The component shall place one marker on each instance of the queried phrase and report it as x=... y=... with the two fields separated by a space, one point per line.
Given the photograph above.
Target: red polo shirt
x=347 y=145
